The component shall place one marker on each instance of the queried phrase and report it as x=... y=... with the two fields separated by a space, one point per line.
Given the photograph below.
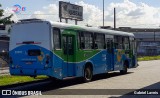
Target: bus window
x=56 y=38
x=133 y=44
x=34 y=52
x=81 y=40
x=68 y=45
x=78 y=39
x=99 y=41
x=126 y=43
x=118 y=42
x=108 y=39
x=86 y=40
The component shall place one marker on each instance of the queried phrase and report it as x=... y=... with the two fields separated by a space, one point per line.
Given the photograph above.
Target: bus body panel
x=36 y=65
x=30 y=47
x=36 y=32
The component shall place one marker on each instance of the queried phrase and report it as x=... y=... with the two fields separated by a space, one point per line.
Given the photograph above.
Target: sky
x=129 y=13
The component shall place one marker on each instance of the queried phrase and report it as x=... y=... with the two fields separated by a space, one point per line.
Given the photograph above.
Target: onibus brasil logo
x=17 y=8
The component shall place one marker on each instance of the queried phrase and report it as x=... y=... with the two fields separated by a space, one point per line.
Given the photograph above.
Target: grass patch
x=147 y=58
x=9 y=80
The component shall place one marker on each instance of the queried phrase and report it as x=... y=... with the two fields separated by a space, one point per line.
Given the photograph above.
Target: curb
x=6 y=73
x=6 y=69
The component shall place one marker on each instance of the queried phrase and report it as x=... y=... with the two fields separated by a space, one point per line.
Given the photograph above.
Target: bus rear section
x=29 y=48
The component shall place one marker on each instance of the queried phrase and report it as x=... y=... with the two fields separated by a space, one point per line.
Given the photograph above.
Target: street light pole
x=103 y=13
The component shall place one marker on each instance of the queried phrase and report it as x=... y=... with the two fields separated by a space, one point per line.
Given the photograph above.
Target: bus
x=61 y=51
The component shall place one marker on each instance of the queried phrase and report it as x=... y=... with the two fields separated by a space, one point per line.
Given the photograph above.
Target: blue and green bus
x=59 y=50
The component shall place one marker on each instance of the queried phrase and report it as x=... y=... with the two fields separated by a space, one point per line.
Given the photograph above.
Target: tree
x=5 y=20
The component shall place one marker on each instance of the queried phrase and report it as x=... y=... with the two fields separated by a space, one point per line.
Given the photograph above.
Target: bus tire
x=125 y=69
x=88 y=74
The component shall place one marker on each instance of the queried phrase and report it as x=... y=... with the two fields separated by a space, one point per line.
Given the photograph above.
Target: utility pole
x=114 y=18
x=103 y=13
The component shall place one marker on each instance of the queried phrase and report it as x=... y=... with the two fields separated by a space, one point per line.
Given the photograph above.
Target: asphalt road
x=145 y=76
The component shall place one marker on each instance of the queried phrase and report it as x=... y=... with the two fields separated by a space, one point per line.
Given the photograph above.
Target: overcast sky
x=133 y=13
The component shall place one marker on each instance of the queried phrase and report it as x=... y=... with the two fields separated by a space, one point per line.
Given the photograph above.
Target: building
x=4 y=45
x=4 y=38
x=148 y=40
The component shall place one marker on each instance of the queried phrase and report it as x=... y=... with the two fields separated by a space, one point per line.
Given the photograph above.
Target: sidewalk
x=4 y=71
x=4 y=68
x=3 y=63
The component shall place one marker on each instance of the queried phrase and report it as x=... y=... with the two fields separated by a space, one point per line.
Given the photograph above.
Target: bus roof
x=77 y=27
x=91 y=29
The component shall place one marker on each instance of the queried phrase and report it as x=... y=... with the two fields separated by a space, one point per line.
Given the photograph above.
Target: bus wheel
x=124 y=71
x=88 y=74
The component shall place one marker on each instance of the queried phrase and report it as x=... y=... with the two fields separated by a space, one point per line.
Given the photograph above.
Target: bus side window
x=108 y=44
x=109 y=41
x=133 y=44
x=86 y=40
x=81 y=40
x=118 y=42
x=126 y=43
x=99 y=41
x=57 y=38
x=95 y=46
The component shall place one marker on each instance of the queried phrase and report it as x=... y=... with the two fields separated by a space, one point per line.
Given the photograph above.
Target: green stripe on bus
x=80 y=55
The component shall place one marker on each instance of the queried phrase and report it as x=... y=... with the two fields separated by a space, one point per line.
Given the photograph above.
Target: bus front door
x=69 y=58
x=110 y=55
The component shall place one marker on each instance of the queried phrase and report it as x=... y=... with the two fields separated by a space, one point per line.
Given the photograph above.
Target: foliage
x=9 y=80
x=147 y=58
x=5 y=20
